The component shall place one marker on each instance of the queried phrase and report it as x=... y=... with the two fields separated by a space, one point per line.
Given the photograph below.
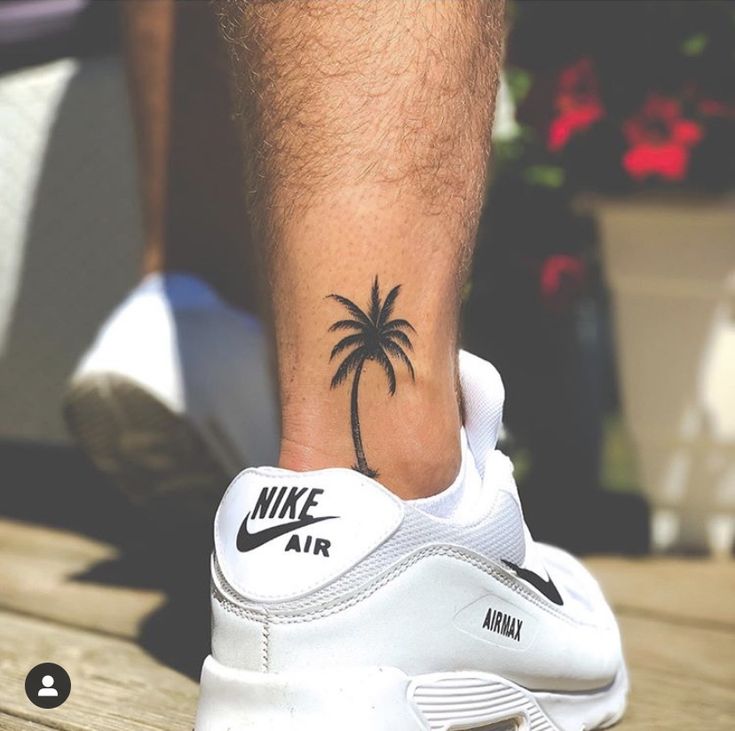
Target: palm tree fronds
x=388 y=304
x=347 y=325
x=390 y=373
x=347 y=342
x=375 y=302
x=348 y=365
x=398 y=324
x=353 y=308
x=397 y=350
x=398 y=335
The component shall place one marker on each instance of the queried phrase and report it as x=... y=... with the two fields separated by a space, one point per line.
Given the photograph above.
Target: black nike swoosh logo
x=545 y=586
x=248 y=541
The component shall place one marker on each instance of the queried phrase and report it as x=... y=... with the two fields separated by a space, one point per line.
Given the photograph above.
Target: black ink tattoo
x=377 y=338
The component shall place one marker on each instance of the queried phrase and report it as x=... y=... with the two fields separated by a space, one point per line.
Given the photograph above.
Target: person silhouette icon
x=47 y=685
x=48 y=689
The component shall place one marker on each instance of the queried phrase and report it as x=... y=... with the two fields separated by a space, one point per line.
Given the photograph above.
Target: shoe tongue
x=482 y=398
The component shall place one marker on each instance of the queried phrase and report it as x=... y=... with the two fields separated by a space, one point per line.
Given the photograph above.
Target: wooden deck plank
x=40 y=570
x=116 y=686
x=681 y=676
x=679 y=588
x=16 y=723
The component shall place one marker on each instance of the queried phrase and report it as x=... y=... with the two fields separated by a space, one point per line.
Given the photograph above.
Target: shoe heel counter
x=239 y=636
x=280 y=535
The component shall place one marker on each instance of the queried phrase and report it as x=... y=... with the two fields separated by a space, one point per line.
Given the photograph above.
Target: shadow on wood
x=56 y=487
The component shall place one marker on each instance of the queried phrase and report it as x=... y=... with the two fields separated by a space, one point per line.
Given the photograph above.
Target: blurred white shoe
x=175 y=394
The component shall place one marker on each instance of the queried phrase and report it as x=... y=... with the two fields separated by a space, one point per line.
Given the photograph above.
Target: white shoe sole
x=386 y=699
x=155 y=455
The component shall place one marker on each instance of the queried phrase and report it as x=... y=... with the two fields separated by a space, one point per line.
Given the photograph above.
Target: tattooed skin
x=375 y=337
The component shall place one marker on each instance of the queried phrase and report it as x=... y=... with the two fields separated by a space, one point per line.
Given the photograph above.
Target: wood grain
x=681 y=676
x=699 y=590
x=116 y=686
x=41 y=572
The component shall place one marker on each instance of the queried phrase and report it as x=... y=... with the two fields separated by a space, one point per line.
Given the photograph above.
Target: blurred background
x=603 y=287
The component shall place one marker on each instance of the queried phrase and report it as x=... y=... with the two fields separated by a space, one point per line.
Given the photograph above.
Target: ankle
x=411 y=463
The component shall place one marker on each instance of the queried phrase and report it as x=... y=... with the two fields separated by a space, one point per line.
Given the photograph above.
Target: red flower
x=561 y=278
x=577 y=103
x=660 y=140
x=716 y=108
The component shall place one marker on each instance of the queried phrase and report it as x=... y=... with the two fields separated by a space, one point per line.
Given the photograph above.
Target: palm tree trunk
x=362 y=465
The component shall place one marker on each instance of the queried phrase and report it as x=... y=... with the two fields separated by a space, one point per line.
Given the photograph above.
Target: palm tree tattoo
x=377 y=338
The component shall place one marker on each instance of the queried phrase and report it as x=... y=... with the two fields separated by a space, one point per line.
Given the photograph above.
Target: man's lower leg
x=368 y=128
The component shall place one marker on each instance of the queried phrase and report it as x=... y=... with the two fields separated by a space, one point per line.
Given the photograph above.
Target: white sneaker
x=339 y=606
x=176 y=394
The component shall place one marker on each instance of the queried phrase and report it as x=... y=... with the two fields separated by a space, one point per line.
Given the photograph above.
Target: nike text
x=282 y=502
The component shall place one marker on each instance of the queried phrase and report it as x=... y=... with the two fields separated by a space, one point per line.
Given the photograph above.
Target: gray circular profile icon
x=47 y=685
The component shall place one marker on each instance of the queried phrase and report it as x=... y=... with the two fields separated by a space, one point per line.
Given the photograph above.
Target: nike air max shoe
x=175 y=395
x=337 y=606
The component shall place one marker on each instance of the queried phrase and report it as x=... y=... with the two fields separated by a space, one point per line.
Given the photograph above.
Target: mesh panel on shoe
x=499 y=536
